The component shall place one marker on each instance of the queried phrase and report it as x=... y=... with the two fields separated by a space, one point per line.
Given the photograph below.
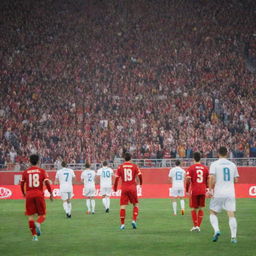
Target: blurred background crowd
x=88 y=80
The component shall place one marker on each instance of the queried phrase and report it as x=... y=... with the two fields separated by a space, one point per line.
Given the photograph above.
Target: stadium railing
x=143 y=163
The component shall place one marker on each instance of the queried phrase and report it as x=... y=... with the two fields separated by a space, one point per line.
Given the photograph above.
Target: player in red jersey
x=197 y=178
x=128 y=173
x=32 y=183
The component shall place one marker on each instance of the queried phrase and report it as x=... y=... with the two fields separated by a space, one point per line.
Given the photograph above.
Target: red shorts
x=197 y=201
x=129 y=196
x=35 y=205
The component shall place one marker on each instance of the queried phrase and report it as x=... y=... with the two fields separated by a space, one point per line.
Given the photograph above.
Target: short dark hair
x=87 y=165
x=105 y=163
x=64 y=164
x=34 y=159
x=127 y=156
x=197 y=156
x=177 y=162
x=223 y=151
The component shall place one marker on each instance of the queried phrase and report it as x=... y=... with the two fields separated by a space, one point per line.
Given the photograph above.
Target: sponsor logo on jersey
x=5 y=193
x=252 y=191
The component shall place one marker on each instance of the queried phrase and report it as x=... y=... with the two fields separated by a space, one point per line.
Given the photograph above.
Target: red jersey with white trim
x=199 y=175
x=34 y=178
x=128 y=173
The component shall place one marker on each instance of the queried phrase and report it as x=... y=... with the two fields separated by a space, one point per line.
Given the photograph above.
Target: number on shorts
x=33 y=180
x=226 y=174
x=178 y=175
x=106 y=174
x=200 y=176
x=66 y=174
x=127 y=174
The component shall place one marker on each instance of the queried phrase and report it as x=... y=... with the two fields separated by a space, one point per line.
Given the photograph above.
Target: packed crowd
x=92 y=79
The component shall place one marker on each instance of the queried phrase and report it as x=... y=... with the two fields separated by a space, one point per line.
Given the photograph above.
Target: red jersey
x=128 y=173
x=34 y=178
x=199 y=176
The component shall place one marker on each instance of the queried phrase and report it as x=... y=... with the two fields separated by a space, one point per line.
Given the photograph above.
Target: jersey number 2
x=127 y=174
x=33 y=180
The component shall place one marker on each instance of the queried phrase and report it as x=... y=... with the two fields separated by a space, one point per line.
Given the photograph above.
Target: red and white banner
x=146 y=191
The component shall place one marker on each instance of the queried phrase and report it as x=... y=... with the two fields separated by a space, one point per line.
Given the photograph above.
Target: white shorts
x=66 y=195
x=88 y=192
x=105 y=191
x=223 y=203
x=176 y=192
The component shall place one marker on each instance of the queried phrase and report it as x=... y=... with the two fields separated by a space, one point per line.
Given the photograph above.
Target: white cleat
x=193 y=229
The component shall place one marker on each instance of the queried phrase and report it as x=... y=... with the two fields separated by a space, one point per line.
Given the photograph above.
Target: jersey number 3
x=33 y=180
x=127 y=174
x=200 y=176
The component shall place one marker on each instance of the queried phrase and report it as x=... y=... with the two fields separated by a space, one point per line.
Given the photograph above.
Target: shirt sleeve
x=118 y=172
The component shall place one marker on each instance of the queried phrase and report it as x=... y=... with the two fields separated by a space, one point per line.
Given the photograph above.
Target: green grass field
x=158 y=233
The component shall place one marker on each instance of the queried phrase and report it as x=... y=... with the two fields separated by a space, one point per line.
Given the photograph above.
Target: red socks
x=32 y=227
x=194 y=217
x=122 y=216
x=135 y=213
x=41 y=219
x=200 y=216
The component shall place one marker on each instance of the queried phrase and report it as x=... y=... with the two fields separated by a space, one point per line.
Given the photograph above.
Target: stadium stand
x=162 y=79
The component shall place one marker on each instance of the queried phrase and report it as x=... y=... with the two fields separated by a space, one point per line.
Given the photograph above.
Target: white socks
x=88 y=204
x=65 y=206
x=69 y=207
x=106 y=202
x=93 y=205
x=182 y=204
x=233 y=226
x=174 y=206
x=214 y=222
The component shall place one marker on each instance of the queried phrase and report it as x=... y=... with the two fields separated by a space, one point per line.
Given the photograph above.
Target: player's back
x=88 y=176
x=225 y=173
x=105 y=174
x=65 y=176
x=128 y=172
x=34 y=178
x=178 y=175
x=199 y=176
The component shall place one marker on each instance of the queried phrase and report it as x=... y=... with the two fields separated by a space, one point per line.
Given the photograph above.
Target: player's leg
x=93 y=204
x=64 y=197
x=69 y=205
x=174 y=206
x=215 y=224
x=194 y=205
x=88 y=205
x=123 y=202
x=232 y=226
x=200 y=213
x=133 y=198
x=41 y=211
x=32 y=227
x=104 y=201
x=182 y=204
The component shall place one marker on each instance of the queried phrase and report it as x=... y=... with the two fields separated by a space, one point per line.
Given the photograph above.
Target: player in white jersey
x=105 y=173
x=65 y=178
x=223 y=174
x=177 y=177
x=88 y=178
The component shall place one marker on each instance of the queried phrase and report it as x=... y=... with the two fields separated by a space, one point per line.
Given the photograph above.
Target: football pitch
x=158 y=232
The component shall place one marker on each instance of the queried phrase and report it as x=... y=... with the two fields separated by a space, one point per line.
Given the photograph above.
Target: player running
x=65 y=178
x=197 y=177
x=223 y=174
x=105 y=173
x=89 y=191
x=177 y=177
x=32 y=183
x=128 y=173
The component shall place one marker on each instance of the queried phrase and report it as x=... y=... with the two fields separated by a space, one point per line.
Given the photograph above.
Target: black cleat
x=107 y=210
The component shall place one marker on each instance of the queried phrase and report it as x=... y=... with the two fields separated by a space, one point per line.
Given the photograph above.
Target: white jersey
x=178 y=175
x=105 y=174
x=88 y=177
x=225 y=172
x=65 y=176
